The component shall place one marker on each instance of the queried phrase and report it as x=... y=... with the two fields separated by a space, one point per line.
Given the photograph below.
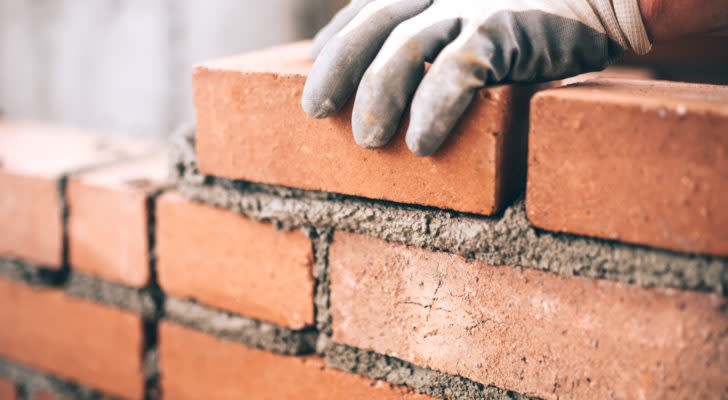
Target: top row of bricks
x=638 y=161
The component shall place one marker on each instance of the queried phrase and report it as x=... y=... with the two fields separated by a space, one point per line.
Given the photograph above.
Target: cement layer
x=506 y=239
x=247 y=331
x=321 y=242
x=31 y=274
x=422 y=380
x=140 y=301
x=32 y=382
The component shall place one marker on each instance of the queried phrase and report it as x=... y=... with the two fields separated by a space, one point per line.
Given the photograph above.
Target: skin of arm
x=672 y=19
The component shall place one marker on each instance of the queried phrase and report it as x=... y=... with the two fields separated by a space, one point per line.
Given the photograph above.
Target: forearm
x=670 y=19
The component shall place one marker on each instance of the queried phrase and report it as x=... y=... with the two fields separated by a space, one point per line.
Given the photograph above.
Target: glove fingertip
x=318 y=109
x=417 y=145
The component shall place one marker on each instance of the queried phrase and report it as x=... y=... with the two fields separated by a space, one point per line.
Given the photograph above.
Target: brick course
x=636 y=161
x=529 y=331
x=195 y=366
x=234 y=263
x=109 y=217
x=250 y=125
x=33 y=159
x=94 y=345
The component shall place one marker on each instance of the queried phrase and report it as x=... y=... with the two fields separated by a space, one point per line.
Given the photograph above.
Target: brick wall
x=255 y=264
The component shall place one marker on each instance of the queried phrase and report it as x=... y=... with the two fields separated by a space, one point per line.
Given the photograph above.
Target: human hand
x=381 y=46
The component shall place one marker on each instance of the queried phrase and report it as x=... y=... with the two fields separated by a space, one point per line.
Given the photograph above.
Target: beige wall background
x=123 y=66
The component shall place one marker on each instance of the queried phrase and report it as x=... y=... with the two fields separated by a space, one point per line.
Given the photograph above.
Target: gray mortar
x=321 y=274
x=88 y=287
x=30 y=273
x=32 y=382
x=506 y=239
x=423 y=380
x=250 y=332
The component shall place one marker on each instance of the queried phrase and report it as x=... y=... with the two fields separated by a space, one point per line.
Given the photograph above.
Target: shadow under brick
x=506 y=239
x=250 y=332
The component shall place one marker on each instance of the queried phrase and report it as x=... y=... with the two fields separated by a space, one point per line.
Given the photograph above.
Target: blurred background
x=123 y=66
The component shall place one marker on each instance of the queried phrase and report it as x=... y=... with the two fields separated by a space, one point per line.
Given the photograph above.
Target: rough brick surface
x=94 y=345
x=8 y=390
x=251 y=126
x=108 y=219
x=637 y=161
x=234 y=263
x=529 y=331
x=47 y=396
x=33 y=158
x=196 y=366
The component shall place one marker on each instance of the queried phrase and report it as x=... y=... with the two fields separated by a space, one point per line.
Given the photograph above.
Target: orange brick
x=94 y=345
x=33 y=158
x=8 y=391
x=194 y=365
x=108 y=219
x=47 y=396
x=234 y=263
x=637 y=161
x=613 y=72
x=250 y=125
x=525 y=330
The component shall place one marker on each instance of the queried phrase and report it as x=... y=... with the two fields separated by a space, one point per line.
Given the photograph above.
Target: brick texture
x=8 y=390
x=196 y=366
x=108 y=219
x=47 y=396
x=33 y=158
x=529 y=331
x=234 y=263
x=250 y=125
x=94 y=345
x=637 y=161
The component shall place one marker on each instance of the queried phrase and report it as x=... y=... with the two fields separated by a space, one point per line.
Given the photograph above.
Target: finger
x=338 y=68
x=446 y=91
x=343 y=17
x=390 y=81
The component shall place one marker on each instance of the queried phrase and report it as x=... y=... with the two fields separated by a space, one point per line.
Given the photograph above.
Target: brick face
x=47 y=396
x=33 y=158
x=108 y=219
x=194 y=365
x=8 y=390
x=529 y=331
x=250 y=125
x=94 y=345
x=234 y=263
x=30 y=208
x=637 y=161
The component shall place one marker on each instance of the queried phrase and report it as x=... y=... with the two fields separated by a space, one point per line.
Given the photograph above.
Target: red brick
x=613 y=72
x=94 y=345
x=33 y=158
x=234 y=263
x=530 y=331
x=8 y=391
x=108 y=219
x=250 y=125
x=637 y=161
x=194 y=365
x=47 y=396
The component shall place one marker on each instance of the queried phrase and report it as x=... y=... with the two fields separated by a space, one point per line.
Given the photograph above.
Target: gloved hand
x=381 y=46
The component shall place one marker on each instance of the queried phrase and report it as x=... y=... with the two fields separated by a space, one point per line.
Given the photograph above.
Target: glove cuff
x=630 y=22
x=622 y=21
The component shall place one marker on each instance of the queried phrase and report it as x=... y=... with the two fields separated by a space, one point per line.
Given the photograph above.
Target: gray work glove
x=381 y=46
